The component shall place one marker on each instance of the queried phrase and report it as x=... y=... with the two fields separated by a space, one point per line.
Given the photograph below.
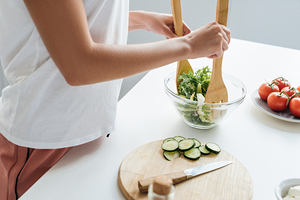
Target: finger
x=224 y=35
x=186 y=29
x=214 y=56
x=227 y=32
x=224 y=45
x=168 y=33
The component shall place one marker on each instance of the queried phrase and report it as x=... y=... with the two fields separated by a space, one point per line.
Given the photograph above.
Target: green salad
x=194 y=86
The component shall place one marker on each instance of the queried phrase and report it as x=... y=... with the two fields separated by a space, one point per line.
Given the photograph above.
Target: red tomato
x=265 y=89
x=281 y=82
x=295 y=106
x=298 y=88
x=289 y=91
x=277 y=101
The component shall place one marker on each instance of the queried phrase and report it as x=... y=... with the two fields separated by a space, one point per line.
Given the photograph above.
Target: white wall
x=274 y=22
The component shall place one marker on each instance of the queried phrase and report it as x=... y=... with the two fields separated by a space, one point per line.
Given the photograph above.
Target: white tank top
x=39 y=109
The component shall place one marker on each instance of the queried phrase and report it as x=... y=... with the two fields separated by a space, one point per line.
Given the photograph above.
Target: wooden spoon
x=183 y=66
x=216 y=91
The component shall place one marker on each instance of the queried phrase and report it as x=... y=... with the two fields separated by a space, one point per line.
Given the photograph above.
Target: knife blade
x=178 y=177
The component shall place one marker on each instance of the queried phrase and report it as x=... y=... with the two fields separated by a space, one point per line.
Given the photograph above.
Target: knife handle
x=176 y=177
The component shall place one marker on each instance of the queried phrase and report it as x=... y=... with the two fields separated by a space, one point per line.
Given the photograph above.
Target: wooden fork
x=183 y=66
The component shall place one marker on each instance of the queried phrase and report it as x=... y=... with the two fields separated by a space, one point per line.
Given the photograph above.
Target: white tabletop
x=268 y=147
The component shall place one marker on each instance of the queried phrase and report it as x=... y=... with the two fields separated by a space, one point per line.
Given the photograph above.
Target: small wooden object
x=162 y=185
x=217 y=91
x=183 y=66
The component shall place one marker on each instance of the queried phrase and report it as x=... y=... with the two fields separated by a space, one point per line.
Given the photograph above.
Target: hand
x=209 y=41
x=161 y=24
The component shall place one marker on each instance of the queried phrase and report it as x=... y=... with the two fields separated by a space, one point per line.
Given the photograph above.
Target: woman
x=64 y=60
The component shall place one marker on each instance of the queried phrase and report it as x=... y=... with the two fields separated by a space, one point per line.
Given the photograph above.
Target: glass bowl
x=206 y=115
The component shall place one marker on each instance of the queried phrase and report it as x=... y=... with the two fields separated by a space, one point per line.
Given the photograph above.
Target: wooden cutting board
x=232 y=182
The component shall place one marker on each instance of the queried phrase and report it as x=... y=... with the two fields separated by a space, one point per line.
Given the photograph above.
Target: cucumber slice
x=193 y=154
x=204 y=150
x=171 y=145
x=178 y=138
x=170 y=155
x=168 y=139
x=213 y=147
x=197 y=142
x=186 y=144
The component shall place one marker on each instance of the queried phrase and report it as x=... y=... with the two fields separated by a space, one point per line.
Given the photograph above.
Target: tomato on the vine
x=294 y=106
x=289 y=91
x=298 y=88
x=265 y=89
x=278 y=101
x=281 y=82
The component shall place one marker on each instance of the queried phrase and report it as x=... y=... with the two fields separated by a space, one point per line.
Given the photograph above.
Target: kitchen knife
x=178 y=177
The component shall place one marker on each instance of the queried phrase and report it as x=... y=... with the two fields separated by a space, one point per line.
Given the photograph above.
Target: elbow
x=72 y=76
x=76 y=78
x=73 y=81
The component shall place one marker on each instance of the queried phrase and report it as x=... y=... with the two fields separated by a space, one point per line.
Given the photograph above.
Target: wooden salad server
x=217 y=91
x=183 y=66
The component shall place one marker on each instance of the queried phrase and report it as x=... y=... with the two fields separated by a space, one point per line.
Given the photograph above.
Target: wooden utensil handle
x=177 y=17
x=176 y=177
x=222 y=12
x=221 y=18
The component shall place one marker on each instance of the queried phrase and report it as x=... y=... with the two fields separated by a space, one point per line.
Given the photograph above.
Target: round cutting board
x=232 y=182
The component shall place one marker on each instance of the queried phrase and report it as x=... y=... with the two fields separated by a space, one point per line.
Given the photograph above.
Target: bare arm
x=158 y=23
x=64 y=30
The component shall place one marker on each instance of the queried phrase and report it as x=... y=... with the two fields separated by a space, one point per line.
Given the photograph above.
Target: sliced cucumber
x=197 y=142
x=213 y=147
x=178 y=138
x=193 y=154
x=168 y=139
x=186 y=144
x=204 y=150
x=170 y=155
x=171 y=145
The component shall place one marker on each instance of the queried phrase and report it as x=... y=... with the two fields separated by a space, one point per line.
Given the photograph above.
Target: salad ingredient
x=186 y=144
x=178 y=138
x=294 y=193
x=193 y=153
x=204 y=150
x=266 y=89
x=171 y=155
x=191 y=148
x=278 y=101
x=213 y=147
x=197 y=142
x=193 y=86
x=193 y=83
x=171 y=145
x=294 y=106
x=168 y=139
x=289 y=91
x=281 y=82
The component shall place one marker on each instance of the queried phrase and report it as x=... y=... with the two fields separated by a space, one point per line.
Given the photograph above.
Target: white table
x=268 y=147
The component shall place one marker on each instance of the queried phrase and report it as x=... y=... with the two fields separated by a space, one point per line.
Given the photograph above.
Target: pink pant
x=21 y=167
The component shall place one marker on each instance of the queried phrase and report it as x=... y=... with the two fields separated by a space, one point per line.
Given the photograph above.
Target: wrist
x=185 y=48
x=135 y=20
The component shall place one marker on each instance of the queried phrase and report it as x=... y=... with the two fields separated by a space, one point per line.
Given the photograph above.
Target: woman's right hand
x=209 y=41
